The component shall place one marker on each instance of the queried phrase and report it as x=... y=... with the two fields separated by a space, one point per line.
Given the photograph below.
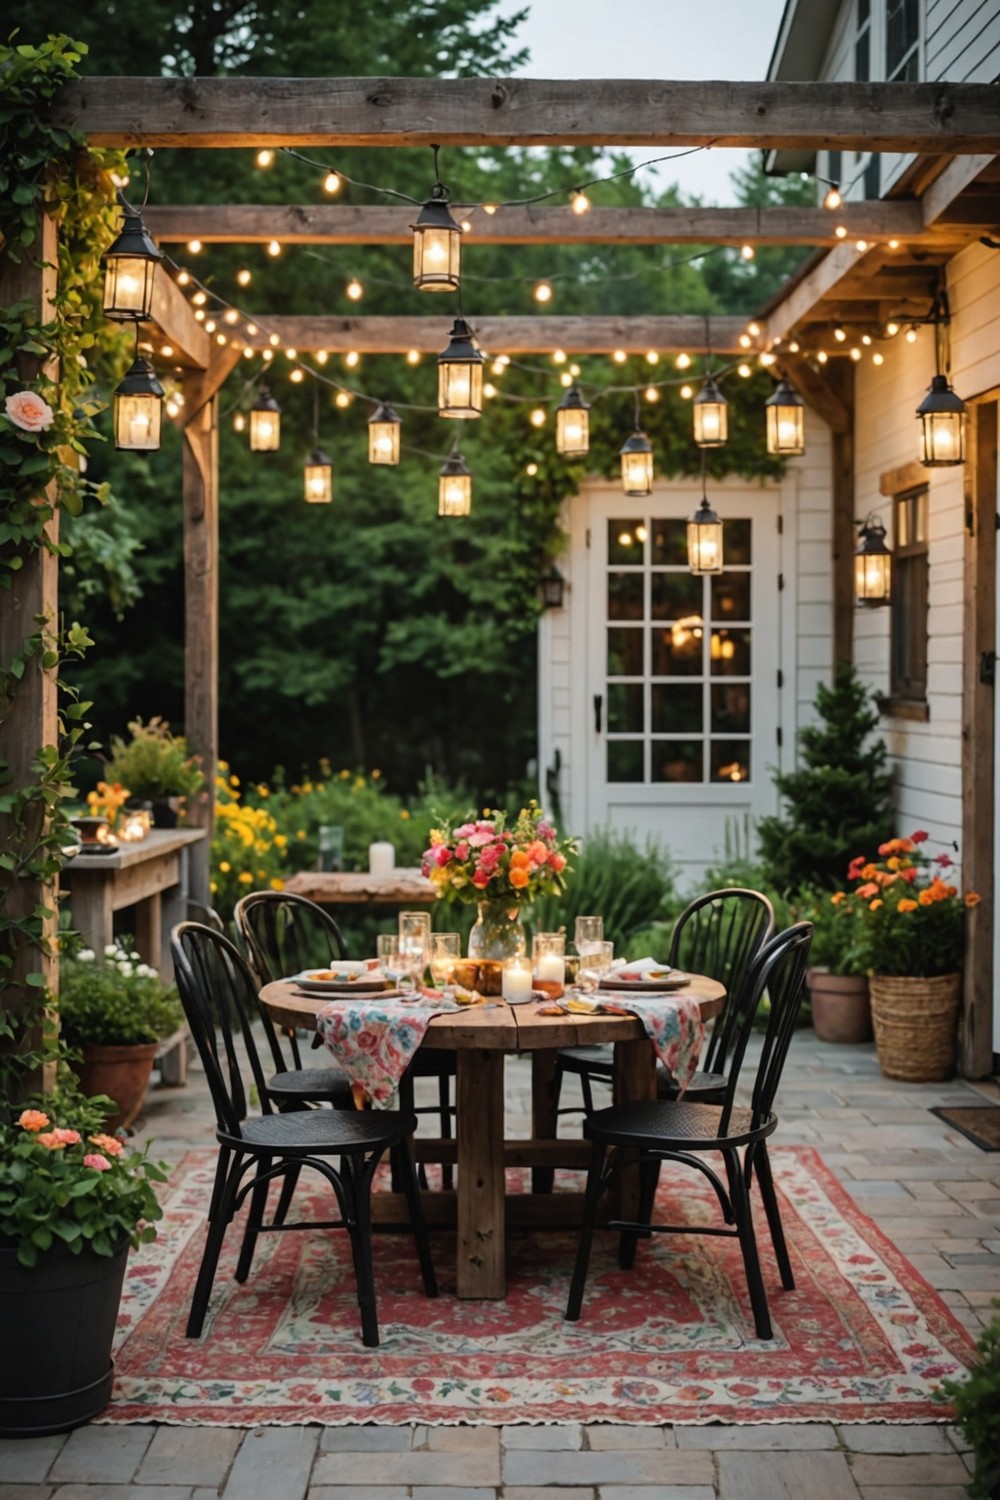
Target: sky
x=662 y=39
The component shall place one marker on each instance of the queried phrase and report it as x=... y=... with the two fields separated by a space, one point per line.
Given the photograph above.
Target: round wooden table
x=482 y=1037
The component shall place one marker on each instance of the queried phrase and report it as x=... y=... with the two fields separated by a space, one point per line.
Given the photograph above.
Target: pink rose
x=28 y=411
x=97 y=1161
x=443 y=856
x=68 y=1137
x=461 y=851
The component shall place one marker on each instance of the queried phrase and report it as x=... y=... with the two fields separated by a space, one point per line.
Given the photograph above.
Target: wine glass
x=588 y=935
x=446 y=949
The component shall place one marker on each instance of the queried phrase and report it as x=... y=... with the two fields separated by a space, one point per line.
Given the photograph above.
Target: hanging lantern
x=454 y=487
x=572 y=425
x=785 y=421
x=138 y=409
x=460 y=375
x=437 y=243
x=383 y=435
x=710 y=410
x=265 y=423
x=319 y=478
x=942 y=426
x=637 y=464
x=872 y=566
x=704 y=531
x=553 y=588
x=129 y=266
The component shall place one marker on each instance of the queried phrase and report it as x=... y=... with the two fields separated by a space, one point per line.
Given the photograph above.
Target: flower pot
x=841 y=1007
x=58 y=1319
x=497 y=932
x=915 y=1021
x=120 y=1072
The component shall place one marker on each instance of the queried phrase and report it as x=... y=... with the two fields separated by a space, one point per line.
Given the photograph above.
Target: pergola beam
x=957 y=118
x=172 y=317
x=538 y=224
x=691 y=334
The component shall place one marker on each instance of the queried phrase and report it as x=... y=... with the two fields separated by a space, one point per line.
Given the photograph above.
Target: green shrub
x=977 y=1411
x=117 y=1003
x=154 y=764
x=612 y=877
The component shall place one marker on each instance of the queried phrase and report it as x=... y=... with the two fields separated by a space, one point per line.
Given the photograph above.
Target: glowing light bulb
x=273 y=249
x=652 y=393
x=211 y=326
x=747 y=252
x=251 y=329
x=199 y=313
x=244 y=276
x=753 y=329
x=199 y=299
x=832 y=197
x=558 y=356
x=355 y=290
x=342 y=399
x=183 y=278
x=574 y=370
x=267 y=355
x=744 y=370
x=580 y=203
x=745 y=341
x=866 y=339
x=352 y=359
x=891 y=330
x=296 y=377
x=822 y=356
x=855 y=353
x=653 y=358
x=321 y=356
x=794 y=347
x=265 y=158
x=166 y=350
x=331 y=182
x=543 y=292
x=220 y=338
x=861 y=246
x=877 y=358
x=893 y=244
x=489 y=208
x=537 y=418
x=194 y=246
x=687 y=391
x=291 y=354
x=531 y=469
x=230 y=316
x=239 y=422
x=566 y=379
x=465 y=226
x=619 y=356
x=839 y=335
x=766 y=358
x=489 y=390
x=840 y=232
x=413 y=357
x=911 y=335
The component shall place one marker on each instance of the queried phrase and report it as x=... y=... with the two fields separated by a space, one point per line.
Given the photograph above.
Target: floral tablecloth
x=673 y=1024
x=374 y=1040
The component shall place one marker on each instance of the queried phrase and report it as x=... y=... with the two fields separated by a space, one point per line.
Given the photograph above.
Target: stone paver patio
x=935 y=1194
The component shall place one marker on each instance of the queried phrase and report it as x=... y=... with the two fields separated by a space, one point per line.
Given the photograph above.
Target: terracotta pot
x=915 y=1022
x=841 y=1008
x=120 y=1072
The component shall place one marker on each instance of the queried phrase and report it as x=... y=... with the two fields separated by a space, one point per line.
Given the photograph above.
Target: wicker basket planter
x=915 y=1023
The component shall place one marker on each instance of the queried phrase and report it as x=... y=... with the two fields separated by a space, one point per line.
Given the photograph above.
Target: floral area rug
x=862 y=1338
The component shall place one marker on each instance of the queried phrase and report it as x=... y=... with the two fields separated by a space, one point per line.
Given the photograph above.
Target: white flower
x=145 y=972
x=86 y=955
x=124 y=967
x=110 y=950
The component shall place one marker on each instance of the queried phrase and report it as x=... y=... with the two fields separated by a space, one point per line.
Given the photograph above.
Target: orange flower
x=871 y=889
x=874 y=905
x=33 y=1119
x=907 y=905
x=972 y=898
x=838 y=897
x=518 y=877
x=925 y=898
x=109 y=1144
x=869 y=871
x=519 y=860
x=538 y=852
x=53 y=1140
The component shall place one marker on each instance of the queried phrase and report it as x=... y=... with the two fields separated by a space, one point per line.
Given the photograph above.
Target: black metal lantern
x=318 y=476
x=265 y=423
x=437 y=245
x=942 y=426
x=637 y=464
x=138 y=409
x=553 y=588
x=129 y=266
x=785 y=421
x=460 y=375
x=872 y=566
x=704 y=539
x=454 y=487
x=710 y=411
x=572 y=425
x=384 y=429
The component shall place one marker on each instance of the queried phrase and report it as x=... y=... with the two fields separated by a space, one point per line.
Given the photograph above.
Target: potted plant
x=911 y=926
x=838 y=976
x=114 y=1011
x=72 y=1201
x=157 y=767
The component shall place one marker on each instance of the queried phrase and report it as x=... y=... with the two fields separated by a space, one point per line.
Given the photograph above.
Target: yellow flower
x=404 y=814
x=280 y=840
x=359 y=782
x=874 y=905
x=262 y=790
x=300 y=833
x=224 y=867
x=213 y=886
x=277 y=884
x=345 y=775
x=234 y=781
x=245 y=878
x=376 y=775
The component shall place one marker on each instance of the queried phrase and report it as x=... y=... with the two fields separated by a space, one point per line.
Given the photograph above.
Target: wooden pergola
x=887 y=263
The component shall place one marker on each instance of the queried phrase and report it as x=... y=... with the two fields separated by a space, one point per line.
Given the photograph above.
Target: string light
x=297 y=376
x=744 y=370
x=878 y=359
x=861 y=246
x=840 y=335
x=291 y=354
x=384 y=429
x=244 y=276
x=273 y=339
x=653 y=358
x=747 y=252
x=199 y=299
x=239 y=422
x=832 y=198
x=619 y=356
x=273 y=248
x=230 y=316
x=183 y=278
x=211 y=325
x=855 y=353
x=167 y=350
x=531 y=470
x=753 y=329
x=579 y=202
x=911 y=335
x=558 y=356
x=538 y=416
x=413 y=357
x=566 y=379
x=331 y=182
x=891 y=329
x=265 y=158
x=651 y=393
x=686 y=392
x=489 y=391
x=543 y=292
x=683 y=361
x=251 y=329
x=745 y=341
x=354 y=289
x=893 y=244
x=194 y=247
x=489 y=208
x=343 y=399
x=352 y=359
x=321 y=356
x=822 y=356
x=840 y=232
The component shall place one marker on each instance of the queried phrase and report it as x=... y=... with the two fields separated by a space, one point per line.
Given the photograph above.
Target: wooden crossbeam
x=957 y=118
x=949 y=184
x=173 y=317
x=539 y=224
x=530 y=335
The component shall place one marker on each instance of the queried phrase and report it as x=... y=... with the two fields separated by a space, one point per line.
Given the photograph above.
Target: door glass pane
x=676 y=760
x=731 y=596
x=675 y=596
x=624 y=760
x=669 y=543
x=625 y=596
x=730 y=653
x=730 y=708
x=676 y=653
x=736 y=542
x=730 y=760
x=625 y=652
x=625 y=714
x=676 y=708
x=625 y=541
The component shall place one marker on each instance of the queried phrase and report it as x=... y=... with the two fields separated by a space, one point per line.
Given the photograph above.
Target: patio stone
x=366 y=1439
x=92 y=1455
x=785 y=1476
x=414 y=1468
x=349 y=1492
x=25 y=1491
x=189 y=1455
x=663 y=1492
x=607 y=1438
x=565 y=1435
x=772 y=1437
x=885 y=1437
x=122 y=1492
x=462 y=1439
x=890 y=1470
x=435 y=1492
x=28 y=1459
x=646 y=1466
x=518 y=1492
x=274 y=1463
x=890 y=1492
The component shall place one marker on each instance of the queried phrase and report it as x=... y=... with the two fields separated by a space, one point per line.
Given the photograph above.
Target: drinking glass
x=392 y=961
x=446 y=949
x=415 y=940
x=594 y=965
x=588 y=934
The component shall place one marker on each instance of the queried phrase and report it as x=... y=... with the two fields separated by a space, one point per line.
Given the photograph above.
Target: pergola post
x=200 y=501
x=31 y=720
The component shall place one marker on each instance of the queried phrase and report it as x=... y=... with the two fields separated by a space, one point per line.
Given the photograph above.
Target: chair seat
x=317 y=1085
x=702 y=1086
x=323 y=1131
x=596 y=1060
x=666 y=1125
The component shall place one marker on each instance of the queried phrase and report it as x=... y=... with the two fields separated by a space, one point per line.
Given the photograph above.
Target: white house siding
x=962 y=40
x=928 y=756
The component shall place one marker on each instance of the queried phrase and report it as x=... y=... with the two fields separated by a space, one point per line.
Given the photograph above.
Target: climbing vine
x=49 y=363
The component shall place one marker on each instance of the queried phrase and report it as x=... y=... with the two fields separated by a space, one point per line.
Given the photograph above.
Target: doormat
x=862 y=1338
x=979 y=1123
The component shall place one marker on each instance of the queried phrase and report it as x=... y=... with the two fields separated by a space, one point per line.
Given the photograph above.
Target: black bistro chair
x=719 y=934
x=284 y=934
x=658 y=1130
x=218 y=993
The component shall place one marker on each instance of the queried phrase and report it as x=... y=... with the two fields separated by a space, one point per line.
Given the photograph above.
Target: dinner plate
x=336 y=979
x=354 y=993
x=668 y=979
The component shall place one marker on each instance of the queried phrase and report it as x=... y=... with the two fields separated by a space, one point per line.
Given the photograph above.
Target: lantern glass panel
x=436 y=254
x=942 y=438
x=137 y=422
x=705 y=546
x=265 y=431
x=637 y=473
x=786 y=430
x=873 y=577
x=383 y=442
x=460 y=388
x=711 y=423
x=572 y=431
x=319 y=484
x=128 y=286
x=454 y=494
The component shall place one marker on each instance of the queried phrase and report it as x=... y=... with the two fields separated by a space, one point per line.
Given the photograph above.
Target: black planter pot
x=58 y=1320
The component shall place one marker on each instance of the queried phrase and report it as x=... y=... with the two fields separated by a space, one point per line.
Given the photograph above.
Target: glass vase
x=498 y=931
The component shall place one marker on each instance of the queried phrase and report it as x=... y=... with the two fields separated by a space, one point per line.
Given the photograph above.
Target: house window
x=908 y=651
x=902 y=41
